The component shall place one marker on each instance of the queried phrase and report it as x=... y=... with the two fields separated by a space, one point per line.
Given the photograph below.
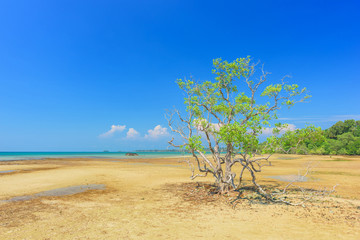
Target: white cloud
x=199 y=123
x=132 y=133
x=114 y=128
x=157 y=132
x=345 y=117
x=318 y=119
x=299 y=118
x=269 y=131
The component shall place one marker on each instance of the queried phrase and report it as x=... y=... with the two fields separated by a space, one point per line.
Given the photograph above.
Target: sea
x=13 y=156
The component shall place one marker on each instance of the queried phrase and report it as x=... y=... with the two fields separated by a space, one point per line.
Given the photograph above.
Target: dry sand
x=152 y=199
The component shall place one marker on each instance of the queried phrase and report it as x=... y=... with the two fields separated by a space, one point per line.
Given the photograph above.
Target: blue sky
x=70 y=70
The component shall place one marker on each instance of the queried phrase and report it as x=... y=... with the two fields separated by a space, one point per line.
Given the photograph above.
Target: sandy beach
x=155 y=199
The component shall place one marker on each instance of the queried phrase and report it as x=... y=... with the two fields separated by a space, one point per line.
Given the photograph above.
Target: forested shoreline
x=343 y=138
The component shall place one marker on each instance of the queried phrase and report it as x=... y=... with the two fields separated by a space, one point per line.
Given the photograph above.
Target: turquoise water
x=12 y=156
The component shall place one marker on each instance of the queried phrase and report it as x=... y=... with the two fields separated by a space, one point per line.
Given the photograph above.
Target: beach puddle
x=7 y=171
x=292 y=178
x=59 y=192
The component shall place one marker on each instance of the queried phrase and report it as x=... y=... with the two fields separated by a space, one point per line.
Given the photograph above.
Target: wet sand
x=149 y=199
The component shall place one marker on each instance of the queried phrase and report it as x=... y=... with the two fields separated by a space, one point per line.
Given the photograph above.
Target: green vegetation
x=227 y=115
x=343 y=138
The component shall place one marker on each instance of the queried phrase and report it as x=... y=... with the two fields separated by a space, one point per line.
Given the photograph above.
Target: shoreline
x=24 y=156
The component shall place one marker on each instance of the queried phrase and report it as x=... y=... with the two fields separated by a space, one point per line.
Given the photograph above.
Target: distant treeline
x=343 y=138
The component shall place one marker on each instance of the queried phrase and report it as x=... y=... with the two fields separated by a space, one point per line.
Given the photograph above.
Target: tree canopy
x=342 y=138
x=227 y=115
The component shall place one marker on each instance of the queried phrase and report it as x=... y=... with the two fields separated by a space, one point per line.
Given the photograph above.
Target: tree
x=354 y=147
x=343 y=138
x=335 y=130
x=226 y=116
x=298 y=141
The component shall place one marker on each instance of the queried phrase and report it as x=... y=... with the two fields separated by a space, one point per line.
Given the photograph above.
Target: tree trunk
x=225 y=183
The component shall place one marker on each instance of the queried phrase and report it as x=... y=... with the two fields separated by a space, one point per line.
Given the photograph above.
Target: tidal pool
x=7 y=171
x=59 y=192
